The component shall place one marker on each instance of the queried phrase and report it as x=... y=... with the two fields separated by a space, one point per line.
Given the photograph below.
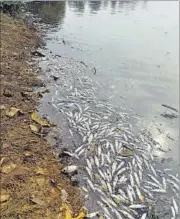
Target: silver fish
x=136 y=206
x=125 y=213
x=175 y=206
x=173 y=212
x=90 y=184
x=144 y=216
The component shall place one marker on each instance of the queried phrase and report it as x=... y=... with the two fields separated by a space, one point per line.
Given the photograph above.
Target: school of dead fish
x=124 y=185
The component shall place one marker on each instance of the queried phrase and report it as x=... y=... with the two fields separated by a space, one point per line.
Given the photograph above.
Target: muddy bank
x=31 y=179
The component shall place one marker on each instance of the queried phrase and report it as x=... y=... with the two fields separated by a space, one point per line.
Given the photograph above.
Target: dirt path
x=31 y=179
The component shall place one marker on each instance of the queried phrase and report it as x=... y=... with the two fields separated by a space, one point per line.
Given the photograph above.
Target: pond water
x=131 y=48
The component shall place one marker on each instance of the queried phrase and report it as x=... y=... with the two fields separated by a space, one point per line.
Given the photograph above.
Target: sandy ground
x=31 y=179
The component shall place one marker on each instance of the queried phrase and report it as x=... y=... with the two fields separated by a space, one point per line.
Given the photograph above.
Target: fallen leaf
x=4 y=198
x=13 y=111
x=8 y=168
x=67 y=213
x=2 y=160
x=37 y=201
x=34 y=128
x=36 y=118
x=40 y=170
x=26 y=207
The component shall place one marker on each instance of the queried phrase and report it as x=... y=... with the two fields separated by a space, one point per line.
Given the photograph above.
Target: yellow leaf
x=2 y=160
x=8 y=168
x=26 y=207
x=12 y=112
x=36 y=118
x=40 y=170
x=68 y=214
x=34 y=128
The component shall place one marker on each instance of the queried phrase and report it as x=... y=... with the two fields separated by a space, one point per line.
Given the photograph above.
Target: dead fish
x=174 y=178
x=136 y=206
x=159 y=190
x=173 y=212
x=96 y=161
x=89 y=172
x=114 y=167
x=175 y=206
x=90 y=184
x=144 y=216
x=93 y=214
x=176 y=186
x=128 y=215
x=70 y=169
x=137 y=178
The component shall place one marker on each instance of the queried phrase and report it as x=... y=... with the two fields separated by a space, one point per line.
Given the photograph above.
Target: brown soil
x=31 y=179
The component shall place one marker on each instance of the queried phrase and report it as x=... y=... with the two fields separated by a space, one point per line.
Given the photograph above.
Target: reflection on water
x=51 y=12
x=77 y=6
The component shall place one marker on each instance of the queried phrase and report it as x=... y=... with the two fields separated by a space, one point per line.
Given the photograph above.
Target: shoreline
x=31 y=180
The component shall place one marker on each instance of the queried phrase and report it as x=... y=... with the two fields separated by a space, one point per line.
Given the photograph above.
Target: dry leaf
x=4 y=198
x=40 y=170
x=36 y=118
x=13 y=111
x=26 y=207
x=8 y=168
x=67 y=214
x=37 y=201
x=34 y=128
x=2 y=160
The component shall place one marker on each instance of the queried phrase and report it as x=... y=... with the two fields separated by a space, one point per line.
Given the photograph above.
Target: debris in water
x=170 y=107
x=169 y=115
x=37 y=53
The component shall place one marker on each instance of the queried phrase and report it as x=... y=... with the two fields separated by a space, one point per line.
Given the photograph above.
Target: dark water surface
x=131 y=48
